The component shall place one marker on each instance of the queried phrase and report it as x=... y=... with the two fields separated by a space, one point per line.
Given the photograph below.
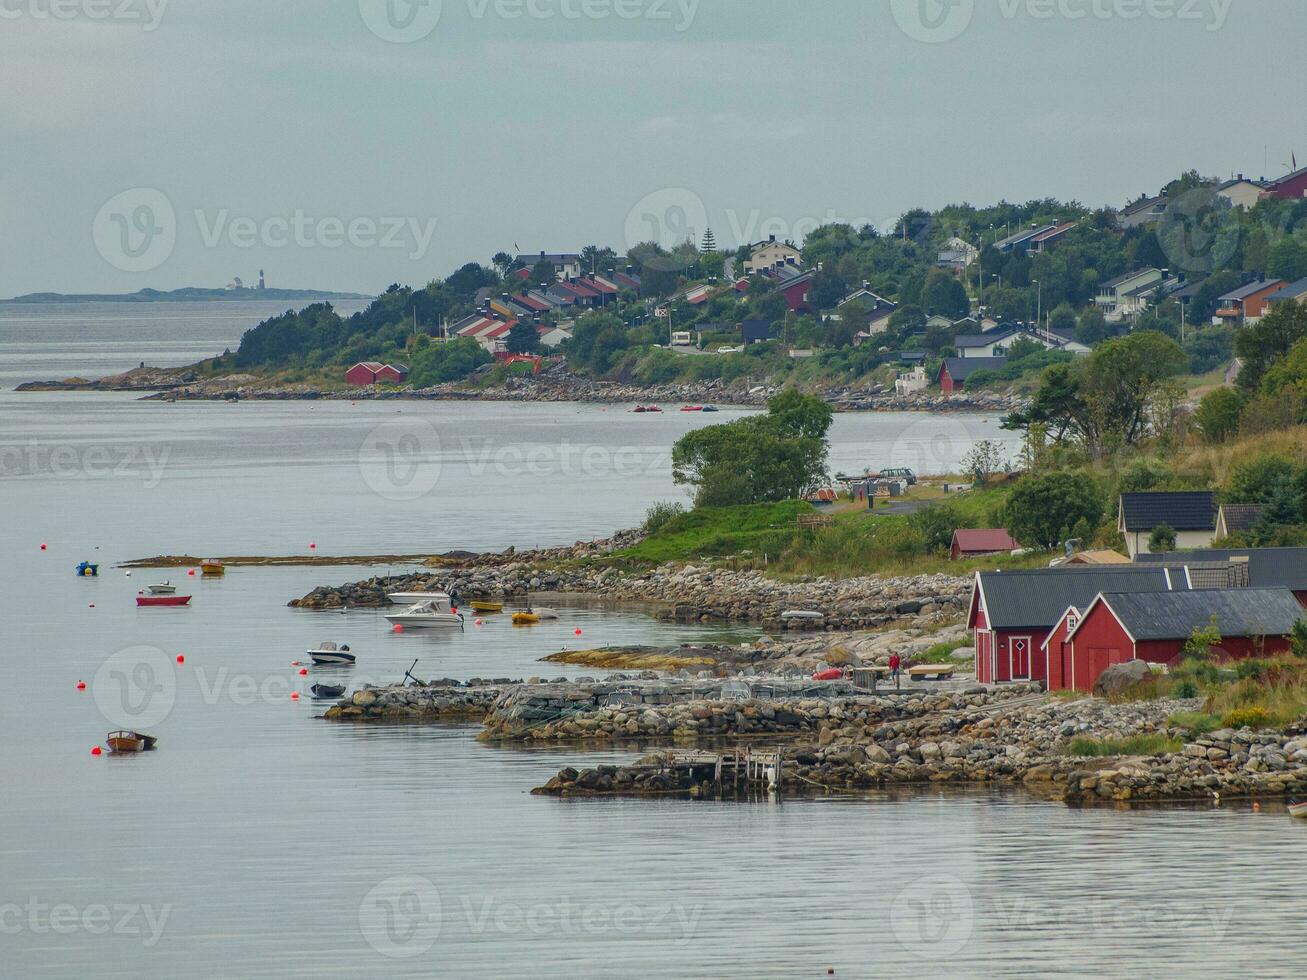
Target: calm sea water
x=259 y=841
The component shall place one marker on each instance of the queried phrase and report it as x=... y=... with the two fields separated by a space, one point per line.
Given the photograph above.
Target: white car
x=730 y=350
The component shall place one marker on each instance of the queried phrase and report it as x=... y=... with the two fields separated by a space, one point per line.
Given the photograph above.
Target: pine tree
x=709 y=243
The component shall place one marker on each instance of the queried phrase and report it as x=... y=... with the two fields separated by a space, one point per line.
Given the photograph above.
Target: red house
x=955 y=371
x=1289 y=187
x=364 y=374
x=969 y=543
x=796 y=293
x=1013 y=612
x=1119 y=627
x=394 y=374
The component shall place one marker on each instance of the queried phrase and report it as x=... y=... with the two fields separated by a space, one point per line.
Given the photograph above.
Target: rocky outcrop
x=686 y=594
x=1121 y=677
x=446 y=700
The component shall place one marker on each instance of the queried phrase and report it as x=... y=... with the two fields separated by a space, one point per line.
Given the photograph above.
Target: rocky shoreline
x=555 y=385
x=686 y=594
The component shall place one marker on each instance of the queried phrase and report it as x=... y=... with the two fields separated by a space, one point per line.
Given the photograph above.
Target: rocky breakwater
x=884 y=399
x=712 y=710
x=686 y=594
x=446 y=700
x=1023 y=744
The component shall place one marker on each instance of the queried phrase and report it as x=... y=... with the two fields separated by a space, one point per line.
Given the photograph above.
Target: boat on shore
x=801 y=616
x=433 y=613
x=691 y=408
x=131 y=742
x=162 y=600
x=331 y=655
x=646 y=409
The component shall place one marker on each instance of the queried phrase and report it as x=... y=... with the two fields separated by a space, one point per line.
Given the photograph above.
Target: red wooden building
x=1290 y=187
x=1013 y=612
x=392 y=374
x=796 y=293
x=977 y=542
x=363 y=374
x=955 y=371
x=1119 y=627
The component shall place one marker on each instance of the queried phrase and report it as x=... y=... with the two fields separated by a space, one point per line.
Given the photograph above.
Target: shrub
x=1253 y=717
x=1195 y=722
x=1155 y=744
x=661 y=514
x=1185 y=689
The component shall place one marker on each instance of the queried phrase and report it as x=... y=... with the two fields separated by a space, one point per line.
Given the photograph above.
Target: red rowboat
x=691 y=408
x=833 y=674
x=163 y=600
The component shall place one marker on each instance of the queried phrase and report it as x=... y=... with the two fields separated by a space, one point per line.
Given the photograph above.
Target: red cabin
x=364 y=374
x=1120 y=627
x=975 y=543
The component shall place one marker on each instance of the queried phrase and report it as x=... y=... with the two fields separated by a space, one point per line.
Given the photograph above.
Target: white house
x=912 y=381
x=1242 y=192
x=1127 y=295
x=769 y=254
x=1191 y=515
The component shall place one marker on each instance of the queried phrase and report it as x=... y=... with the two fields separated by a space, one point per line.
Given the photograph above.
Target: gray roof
x=984 y=339
x=1243 y=292
x=1142 y=204
x=1175 y=615
x=1022 y=236
x=1241 y=517
x=1291 y=291
x=1037 y=598
x=1111 y=283
x=1180 y=511
x=961 y=368
x=1269 y=568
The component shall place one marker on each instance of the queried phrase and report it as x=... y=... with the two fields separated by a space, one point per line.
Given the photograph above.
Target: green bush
x=1155 y=744
x=1195 y=722
x=661 y=514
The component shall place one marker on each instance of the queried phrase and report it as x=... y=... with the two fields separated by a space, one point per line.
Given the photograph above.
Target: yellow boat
x=211 y=567
x=525 y=619
x=488 y=607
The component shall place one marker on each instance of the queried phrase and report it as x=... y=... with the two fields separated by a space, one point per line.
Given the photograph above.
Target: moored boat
x=211 y=566
x=487 y=607
x=1298 y=808
x=130 y=742
x=327 y=692
x=691 y=408
x=331 y=655
x=525 y=619
x=433 y=613
x=162 y=588
x=645 y=409
x=162 y=600
x=544 y=613
x=87 y=570
x=412 y=598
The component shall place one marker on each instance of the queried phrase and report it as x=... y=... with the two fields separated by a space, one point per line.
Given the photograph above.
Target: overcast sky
x=348 y=144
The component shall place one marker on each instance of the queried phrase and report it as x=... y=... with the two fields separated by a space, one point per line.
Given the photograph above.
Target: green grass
x=714 y=532
x=1155 y=744
x=940 y=653
x=1195 y=722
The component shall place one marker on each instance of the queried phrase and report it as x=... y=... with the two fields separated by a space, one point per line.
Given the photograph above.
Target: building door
x=1019 y=657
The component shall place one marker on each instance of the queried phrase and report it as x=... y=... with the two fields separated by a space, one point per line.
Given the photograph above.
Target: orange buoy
x=96 y=751
x=81 y=685
x=294 y=695
x=479 y=622
x=1257 y=808
x=181 y=658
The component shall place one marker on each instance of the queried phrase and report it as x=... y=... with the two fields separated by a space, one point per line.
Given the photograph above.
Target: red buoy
x=399 y=628
x=578 y=631
x=313 y=546
x=43 y=546
x=81 y=685
x=295 y=663
x=304 y=672
x=181 y=658
x=191 y=573
x=294 y=695
x=96 y=751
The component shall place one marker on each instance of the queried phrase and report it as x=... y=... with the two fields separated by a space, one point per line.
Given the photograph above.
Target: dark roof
x=1287 y=177
x=984 y=339
x=1143 y=203
x=1256 y=286
x=1241 y=517
x=1291 y=291
x=1037 y=598
x=961 y=368
x=756 y=329
x=1175 y=615
x=1269 y=568
x=1111 y=283
x=1180 y=511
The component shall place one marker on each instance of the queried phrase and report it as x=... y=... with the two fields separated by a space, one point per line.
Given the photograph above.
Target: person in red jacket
x=895 y=665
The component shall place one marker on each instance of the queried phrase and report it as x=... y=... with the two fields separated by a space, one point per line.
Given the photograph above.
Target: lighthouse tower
x=262 y=285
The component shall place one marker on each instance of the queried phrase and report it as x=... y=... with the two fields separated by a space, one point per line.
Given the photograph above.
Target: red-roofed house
x=969 y=543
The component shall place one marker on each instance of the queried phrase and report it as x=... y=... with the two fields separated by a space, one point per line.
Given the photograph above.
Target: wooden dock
x=747 y=765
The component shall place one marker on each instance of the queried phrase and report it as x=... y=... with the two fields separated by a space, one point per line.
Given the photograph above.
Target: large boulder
x=1121 y=677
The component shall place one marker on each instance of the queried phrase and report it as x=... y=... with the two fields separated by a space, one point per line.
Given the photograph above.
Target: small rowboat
x=1298 y=808
x=645 y=409
x=525 y=619
x=327 y=692
x=488 y=607
x=131 y=742
x=691 y=408
x=163 y=600
x=211 y=566
x=833 y=674
x=163 y=588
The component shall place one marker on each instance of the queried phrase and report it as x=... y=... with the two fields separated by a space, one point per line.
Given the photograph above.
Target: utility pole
x=1039 y=307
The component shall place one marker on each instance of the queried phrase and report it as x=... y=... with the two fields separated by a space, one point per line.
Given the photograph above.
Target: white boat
x=544 y=613
x=163 y=588
x=330 y=655
x=431 y=614
x=412 y=598
x=1297 y=808
x=802 y=615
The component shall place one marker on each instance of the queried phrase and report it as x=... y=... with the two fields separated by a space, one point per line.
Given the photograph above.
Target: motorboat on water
x=331 y=655
x=327 y=692
x=434 y=613
x=162 y=588
x=544 y=613
x=131 y=742
x=211 y=566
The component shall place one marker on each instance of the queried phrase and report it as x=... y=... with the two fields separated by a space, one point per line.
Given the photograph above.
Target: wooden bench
x=938 y=672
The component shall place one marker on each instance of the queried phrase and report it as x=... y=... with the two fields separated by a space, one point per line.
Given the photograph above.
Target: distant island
x=189 y=293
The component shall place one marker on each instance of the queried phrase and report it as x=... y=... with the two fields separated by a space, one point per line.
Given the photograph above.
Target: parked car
x=901 y=473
